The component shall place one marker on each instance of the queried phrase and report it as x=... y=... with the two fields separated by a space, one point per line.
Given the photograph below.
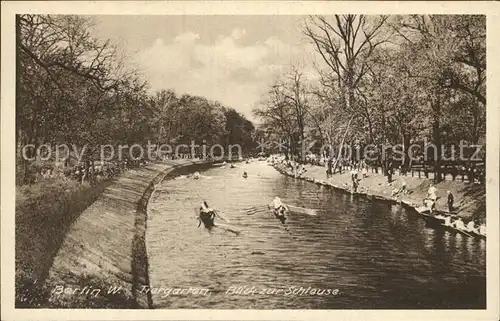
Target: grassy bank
x=44 y=214
x=470 y=199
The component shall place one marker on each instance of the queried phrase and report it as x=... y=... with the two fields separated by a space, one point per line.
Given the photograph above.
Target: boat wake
x=302 y=210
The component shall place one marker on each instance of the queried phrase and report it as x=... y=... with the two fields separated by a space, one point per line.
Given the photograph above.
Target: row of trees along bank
x=75 y=89
x=385 y=80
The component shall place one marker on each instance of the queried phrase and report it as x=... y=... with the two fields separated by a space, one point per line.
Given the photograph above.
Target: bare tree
x=346 y=46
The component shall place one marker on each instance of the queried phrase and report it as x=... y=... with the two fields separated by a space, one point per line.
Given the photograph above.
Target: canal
x=369 y=254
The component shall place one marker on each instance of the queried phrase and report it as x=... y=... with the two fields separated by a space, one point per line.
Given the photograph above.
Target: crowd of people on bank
x=469 y=170
x=83 y=172
x=91 y=172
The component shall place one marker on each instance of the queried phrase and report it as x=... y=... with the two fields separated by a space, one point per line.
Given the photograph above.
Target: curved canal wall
x=102 y=262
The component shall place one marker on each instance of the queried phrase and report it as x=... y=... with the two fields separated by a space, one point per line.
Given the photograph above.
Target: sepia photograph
x=252 y=162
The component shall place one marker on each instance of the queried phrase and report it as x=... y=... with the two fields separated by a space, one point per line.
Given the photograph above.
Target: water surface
x=376 y=254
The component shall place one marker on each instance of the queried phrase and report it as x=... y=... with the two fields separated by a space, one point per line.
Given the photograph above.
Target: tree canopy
x=75 y=89
x=388 y=80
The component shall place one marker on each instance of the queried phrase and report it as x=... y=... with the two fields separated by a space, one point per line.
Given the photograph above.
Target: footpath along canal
x=354 y=253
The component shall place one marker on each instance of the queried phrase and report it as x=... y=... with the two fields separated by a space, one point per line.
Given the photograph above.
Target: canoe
x=422 y=209
x=282 y=218
x=452 y=229
x=207 y=219
x=477 y=235
x=432 y=220
x=219 y=164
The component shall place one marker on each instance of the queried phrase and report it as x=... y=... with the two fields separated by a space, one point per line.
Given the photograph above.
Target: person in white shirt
x=482 y=229
x=431 y=193
x=403 y=187
x=459 y=224
x=364 y=172
x=279 y=209
x=447 y=220
x=206 y=215
x=277 y=203
x=471 y=227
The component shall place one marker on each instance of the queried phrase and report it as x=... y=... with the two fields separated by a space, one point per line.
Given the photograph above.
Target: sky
x=231 y=59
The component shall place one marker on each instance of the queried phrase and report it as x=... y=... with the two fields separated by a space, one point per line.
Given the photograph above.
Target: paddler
x=245 y=175
x=447 y=220
x=482 y=229
x=459 y=224
x=279 y=209
x=205 y=209
x=196 y=175
x=277 y=203
x=206 y=215
x=471 y=227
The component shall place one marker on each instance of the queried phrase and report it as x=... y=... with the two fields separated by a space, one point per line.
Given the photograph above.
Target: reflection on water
x=376 y=254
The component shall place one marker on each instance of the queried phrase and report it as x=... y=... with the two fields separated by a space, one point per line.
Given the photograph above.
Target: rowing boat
x=281 y=217
x=207 y=218
x=452 y=229
x=422 y=209
x=208 y=221
x=432 y=219
x=478 y=235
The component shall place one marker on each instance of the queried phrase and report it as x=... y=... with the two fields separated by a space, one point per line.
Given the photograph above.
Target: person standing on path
x=451 y=199
x=431 y=192
x=430 y=200
x=390 y=172
x=404 y=190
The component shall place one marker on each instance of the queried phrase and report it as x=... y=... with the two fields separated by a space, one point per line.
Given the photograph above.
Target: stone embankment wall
x=103 y=262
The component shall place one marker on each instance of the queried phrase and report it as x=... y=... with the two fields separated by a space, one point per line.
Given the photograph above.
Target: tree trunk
x=341 y=145
x=436 y=134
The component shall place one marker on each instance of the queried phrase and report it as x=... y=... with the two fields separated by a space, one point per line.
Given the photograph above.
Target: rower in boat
x=206 y=215
x=232 y=166
x=459 y=224
x=471 y=227
x=279 y=209
x=447 y=220
x=482 y=229
x=196 y=175
x=245 y=175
